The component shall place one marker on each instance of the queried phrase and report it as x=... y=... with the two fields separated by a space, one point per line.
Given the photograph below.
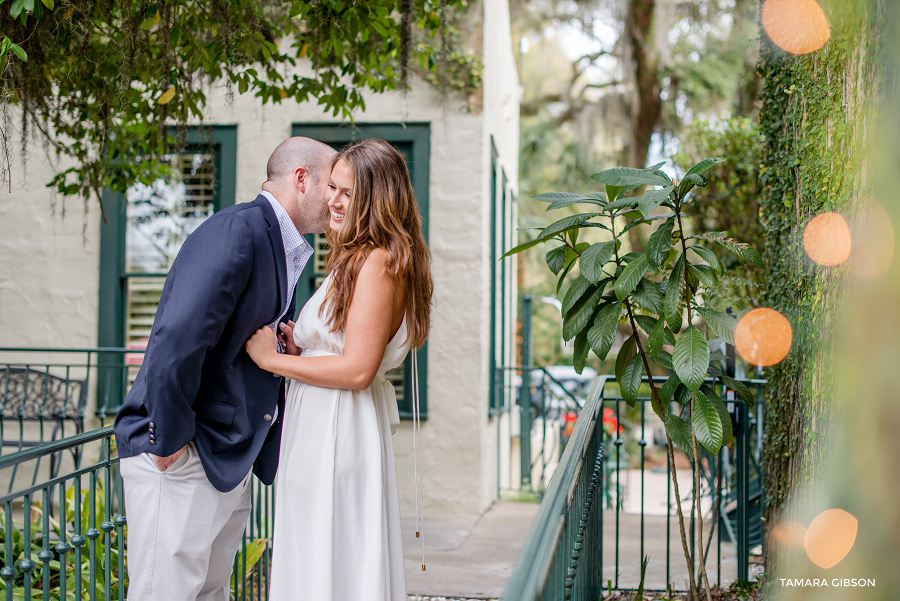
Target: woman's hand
x=263 y=346
x=286 y=338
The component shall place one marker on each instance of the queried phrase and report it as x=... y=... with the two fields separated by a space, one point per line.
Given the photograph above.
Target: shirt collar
x=292 y=239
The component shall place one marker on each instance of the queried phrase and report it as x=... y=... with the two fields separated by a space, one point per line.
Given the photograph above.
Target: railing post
x=525 y=395
x=742 y=445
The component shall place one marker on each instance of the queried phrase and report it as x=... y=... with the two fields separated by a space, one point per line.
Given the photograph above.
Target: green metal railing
x=63 y=537
x=585 y=540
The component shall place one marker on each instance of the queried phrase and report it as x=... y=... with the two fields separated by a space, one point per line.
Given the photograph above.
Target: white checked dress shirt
x=297 y=252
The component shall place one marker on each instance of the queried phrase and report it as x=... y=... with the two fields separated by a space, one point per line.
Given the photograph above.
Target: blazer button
x=267 y=417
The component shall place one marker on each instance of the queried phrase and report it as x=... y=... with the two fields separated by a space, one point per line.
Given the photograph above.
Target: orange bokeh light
x=830 y=537
x=789 y=534
x=874 y=251
x=763 y=337
x=796 y=26
x=827 y=239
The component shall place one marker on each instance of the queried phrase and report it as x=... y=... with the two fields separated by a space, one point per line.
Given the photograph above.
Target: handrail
x=50 y=349
x=532 y=569
x=48 y=448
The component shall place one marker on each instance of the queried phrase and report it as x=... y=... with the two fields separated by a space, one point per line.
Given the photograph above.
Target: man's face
x=313 y=211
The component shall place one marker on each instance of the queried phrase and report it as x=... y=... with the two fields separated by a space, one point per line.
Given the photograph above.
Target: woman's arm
x=369 y=320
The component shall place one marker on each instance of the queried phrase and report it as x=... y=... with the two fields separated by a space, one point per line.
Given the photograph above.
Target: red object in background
x=609 y=418
x=571 y=417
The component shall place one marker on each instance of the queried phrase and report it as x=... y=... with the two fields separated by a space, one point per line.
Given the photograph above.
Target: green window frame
x=414 y=141
x=112 y=375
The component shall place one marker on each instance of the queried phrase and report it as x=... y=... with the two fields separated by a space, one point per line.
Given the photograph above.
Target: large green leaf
x=691 y=357
x=630 y=277
x=628 y=176
x=625 y=354
x=664 y=359
x=710 y=257
x=565 y=224
x=672 y=300
x=580 y=314
x=648 y=296
x=743 y=251
x=556 y=259
x=706 y=275
x=579 y=357
x=722 y=410
x=720 y=324
x=660 y=243
x=707 y=424
x=704 y=165
x=680 y=433
x=594 y=258
x=524 y=245
x=558 y=204
x=656 y=339
x=667 y=390
x=645 y=322
x=603 y=333
x=651 y=199
x=683 y=395
x=576 y=290
x=689 y=181
x=740 y=389
x=555 y=196
x=631 y=379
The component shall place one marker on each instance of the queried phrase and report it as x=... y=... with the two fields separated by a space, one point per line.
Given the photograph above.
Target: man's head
x=297 y=176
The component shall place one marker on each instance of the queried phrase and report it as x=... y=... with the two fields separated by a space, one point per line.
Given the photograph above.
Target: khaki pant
x=182 y=533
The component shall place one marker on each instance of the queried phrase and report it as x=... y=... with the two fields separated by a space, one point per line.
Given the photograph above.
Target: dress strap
x=417 y=457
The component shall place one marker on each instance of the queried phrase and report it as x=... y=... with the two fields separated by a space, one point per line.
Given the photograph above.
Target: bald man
x=201 y=415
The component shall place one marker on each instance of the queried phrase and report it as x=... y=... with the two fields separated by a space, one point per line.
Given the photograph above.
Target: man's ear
x=301 y=179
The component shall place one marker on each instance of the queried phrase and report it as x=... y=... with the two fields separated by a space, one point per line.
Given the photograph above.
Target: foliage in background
x=816 y=118
x=101 y=80
x=657 y=291
x=731 y=200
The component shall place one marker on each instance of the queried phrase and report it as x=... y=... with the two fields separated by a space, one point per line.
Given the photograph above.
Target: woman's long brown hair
x=382 y=213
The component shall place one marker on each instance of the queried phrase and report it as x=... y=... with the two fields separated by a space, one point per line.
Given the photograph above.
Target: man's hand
x=286 y=337
x=163 y=463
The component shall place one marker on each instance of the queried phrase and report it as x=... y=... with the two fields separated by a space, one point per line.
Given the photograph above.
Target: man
x=201 y=415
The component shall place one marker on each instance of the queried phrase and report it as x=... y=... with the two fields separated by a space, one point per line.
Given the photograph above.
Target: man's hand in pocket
x=163 y=463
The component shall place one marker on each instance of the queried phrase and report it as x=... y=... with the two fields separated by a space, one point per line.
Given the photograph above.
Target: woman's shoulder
x=377 y=259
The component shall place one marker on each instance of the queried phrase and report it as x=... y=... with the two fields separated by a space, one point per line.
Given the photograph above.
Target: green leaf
x=656 y=339
x=740 y=389
x=625 y=354
x=687 y=184
x=621 y=203
x=651 y=199
x=660 y=243
x=523 y=246
x=719 y=405
x=645 y=322
x=576 y=290
x=744 y=252
x=580 y=314
x=683 y=395
x=562 y=276
x=148 y=23
x=680 y=432
x=703 y=166
x=672 y=300
x=667 y=391
x=707 y=424
x=16 y=8
x=566 y=223
x=664 y=359
x=4 y=45
x=691 y=358
x=556 y=196
x=615 y=192
x=710 y=257
x=630 y=277
x=630 y=382
x=48 y=3
x=556 y=259
x=558 y=204
x=648 y=296
x=581 y=350
x=628 y=176
x=720 y=324
x=594 y=258
x=603 y=333
x=17 y=50
x=706 y=275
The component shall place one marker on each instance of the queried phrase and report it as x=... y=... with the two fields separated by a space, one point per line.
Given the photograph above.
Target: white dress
x=337 y=507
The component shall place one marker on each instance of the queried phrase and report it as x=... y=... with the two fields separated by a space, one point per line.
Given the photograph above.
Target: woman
x=337 y=507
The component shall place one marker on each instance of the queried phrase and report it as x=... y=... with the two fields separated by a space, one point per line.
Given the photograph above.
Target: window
x=144 y=231
x=414 y=141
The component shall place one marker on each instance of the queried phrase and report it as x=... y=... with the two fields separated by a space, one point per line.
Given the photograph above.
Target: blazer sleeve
x=204 y=285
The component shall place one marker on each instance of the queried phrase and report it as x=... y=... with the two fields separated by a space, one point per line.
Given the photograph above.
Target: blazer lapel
x=277 y=248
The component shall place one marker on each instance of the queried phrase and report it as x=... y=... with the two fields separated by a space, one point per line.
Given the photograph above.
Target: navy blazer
x=197 y=382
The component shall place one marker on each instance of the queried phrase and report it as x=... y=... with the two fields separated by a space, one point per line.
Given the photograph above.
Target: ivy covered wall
x=815 y=116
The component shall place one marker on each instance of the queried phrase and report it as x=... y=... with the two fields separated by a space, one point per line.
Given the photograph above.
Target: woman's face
x=340 y=186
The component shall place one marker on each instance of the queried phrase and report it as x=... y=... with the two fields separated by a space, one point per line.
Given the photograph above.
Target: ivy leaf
x=740 y=389
x=656 y=339
x=630 y=382
x=556 y=259
x=672 y=300
x=630 y=277
x=660 y=243
x=691 y=358
x=594 y=258
x=705 y=275
x=720 y=324
x=703 y=166
x=680 y=433
x=648 y=296
x=710 y=257
x=628 y=176
x=649 y=200
x=603 y=333
x=707 y=424
x=719 y=405
x=579 y=358
x=625 y=354
x=578 y=287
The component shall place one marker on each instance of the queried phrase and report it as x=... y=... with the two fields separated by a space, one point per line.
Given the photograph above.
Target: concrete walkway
x=466 y=556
